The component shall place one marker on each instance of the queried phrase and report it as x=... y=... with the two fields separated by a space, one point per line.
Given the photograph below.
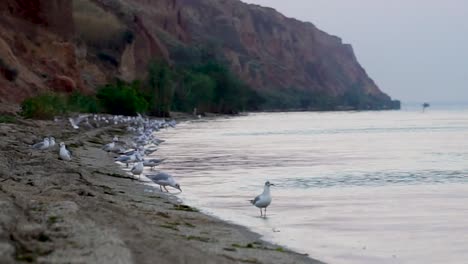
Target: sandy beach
x=90 y=211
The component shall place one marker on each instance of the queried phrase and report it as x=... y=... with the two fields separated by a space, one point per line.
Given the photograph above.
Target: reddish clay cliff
x=41 y=49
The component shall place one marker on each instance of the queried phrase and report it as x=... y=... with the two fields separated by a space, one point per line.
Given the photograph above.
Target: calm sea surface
x=352 y=187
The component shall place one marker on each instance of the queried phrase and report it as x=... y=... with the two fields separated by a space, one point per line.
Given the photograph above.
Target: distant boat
x=425 y=105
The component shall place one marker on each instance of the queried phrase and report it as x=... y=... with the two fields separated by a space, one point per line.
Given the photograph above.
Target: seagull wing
x=72 y=123
x=159 y=177
x=122 y=158
x=80 y=119
x=38 y=145
x=254 y=201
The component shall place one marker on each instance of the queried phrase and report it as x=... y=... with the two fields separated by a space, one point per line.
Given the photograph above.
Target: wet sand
x=90 y=211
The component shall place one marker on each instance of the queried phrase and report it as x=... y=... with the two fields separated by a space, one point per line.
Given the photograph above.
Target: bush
x=78 y=102
x=122 y=99
x=7 y=119
x=160 y=89
x=44 y=106
x=196 y=90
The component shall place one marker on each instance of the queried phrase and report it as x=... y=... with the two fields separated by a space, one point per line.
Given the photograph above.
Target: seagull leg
x=265 y=212
x=166 y=189
x=261 y=212
x=160 y=187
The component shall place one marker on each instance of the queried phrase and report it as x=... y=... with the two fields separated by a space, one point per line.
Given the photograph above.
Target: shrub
x=160 y=88
x=196 y=90
x=44 y=106
x=78 y=102
x=122 y=99
x=7 y=119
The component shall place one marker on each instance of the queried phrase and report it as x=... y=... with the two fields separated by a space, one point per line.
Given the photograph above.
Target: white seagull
x=74 y=122
x=152 y=163
x=264 y=199
x=164 y=179
x=51 y=142
x=44 y=144
x=64 y=154
x=137 y=169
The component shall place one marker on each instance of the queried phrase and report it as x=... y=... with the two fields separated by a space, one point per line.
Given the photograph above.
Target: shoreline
x=90 y=211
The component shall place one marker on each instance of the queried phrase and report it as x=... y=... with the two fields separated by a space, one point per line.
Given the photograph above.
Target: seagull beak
x=271 y=184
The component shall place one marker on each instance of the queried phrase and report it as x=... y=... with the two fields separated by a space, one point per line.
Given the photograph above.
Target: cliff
x=79 y=45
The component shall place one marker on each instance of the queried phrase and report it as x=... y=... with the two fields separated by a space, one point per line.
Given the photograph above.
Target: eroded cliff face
x=36 y=52
x=38 y=39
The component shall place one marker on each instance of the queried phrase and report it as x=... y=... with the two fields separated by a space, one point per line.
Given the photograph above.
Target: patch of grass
x=198 y=238
x=189 y=225
x=44 y=106
x=280 y=249
x=249 y=245
x=26 y=258
x=48 y=105
x=172 y=226
x=258 y=245
x=164 y=215
x=53 y=219
x=186 y=208
x=7 y=119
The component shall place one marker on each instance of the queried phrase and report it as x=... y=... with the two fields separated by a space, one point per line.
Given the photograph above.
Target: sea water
x=351 y=187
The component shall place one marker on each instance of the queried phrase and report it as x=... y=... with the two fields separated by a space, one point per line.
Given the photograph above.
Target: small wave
x=378 y=179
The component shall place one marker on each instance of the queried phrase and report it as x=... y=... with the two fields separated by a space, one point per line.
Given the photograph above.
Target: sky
x=415 y=50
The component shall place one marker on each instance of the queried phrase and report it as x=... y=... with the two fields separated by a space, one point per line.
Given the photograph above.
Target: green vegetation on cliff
x=194 y=88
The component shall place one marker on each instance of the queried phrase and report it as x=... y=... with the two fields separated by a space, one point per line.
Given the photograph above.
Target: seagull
x=127 y=159
x=137 y=169
x=75 y=122
x=152 y=163
x=64 y=154
x=42 y=145
x=264 y=199
x=51 y=142
x=164 y=179
x=109 y=147
x=150 y=151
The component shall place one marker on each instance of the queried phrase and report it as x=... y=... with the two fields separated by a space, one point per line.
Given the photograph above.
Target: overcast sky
x=415 y=50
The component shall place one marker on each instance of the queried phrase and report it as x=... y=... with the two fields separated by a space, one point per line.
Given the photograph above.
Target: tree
x=160 y=89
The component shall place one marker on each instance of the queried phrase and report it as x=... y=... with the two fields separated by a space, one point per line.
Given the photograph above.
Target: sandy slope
x=89 y=211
